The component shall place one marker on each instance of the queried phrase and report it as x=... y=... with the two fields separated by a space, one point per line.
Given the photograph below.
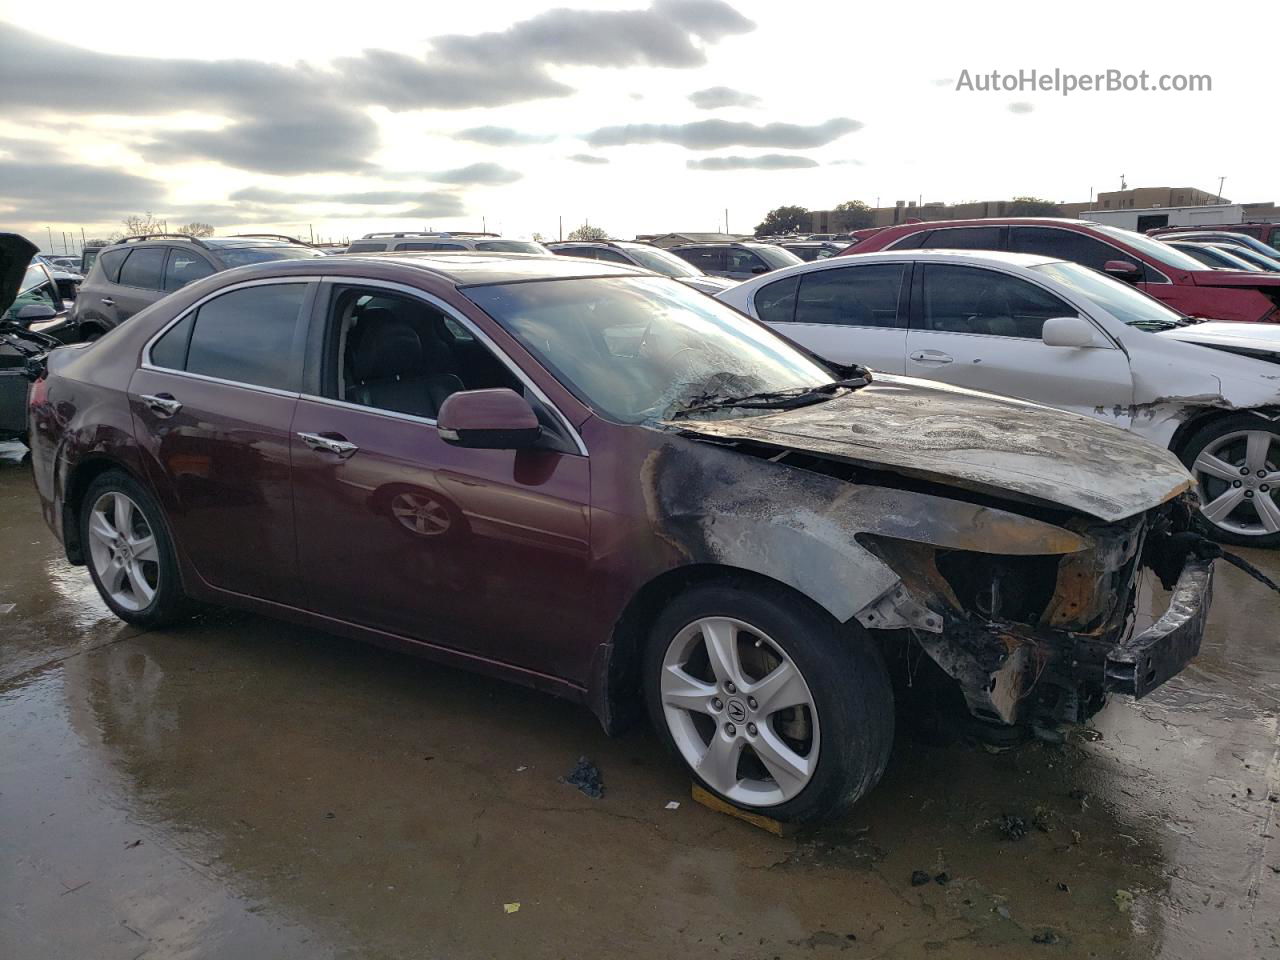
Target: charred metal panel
x=972 y=440
x=800 y=527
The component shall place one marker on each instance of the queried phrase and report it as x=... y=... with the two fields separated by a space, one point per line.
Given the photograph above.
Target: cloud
x=477 y=174
x=37 y=188
x=768 y=161
x=1021 y=106
x=943 y=81
x=502 y=136
x=296 y=118
x=715 y=134
x=439 y=203
x=587 y=158
x=713 y=98
x=847 y=162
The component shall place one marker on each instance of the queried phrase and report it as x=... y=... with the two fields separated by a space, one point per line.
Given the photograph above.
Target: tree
x=138 y=224
x=1032 y=207
x=196 y=229
x=588 y=232
x=854 y=215
x=783 y=220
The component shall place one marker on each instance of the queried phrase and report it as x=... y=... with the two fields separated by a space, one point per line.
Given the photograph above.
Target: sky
x=639 y=116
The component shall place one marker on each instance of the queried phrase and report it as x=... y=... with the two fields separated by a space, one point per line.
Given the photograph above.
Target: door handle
x=162 y=404
x=931 y=356
x=341 y=448
x=108 y=301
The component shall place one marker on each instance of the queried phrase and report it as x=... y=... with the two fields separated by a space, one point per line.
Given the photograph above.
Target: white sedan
x=1060 y=334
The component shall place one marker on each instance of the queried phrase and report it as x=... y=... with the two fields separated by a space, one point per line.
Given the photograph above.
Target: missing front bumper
x=1140 y=664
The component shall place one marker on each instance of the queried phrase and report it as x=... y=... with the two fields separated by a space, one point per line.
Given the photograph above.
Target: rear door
x=712 y=260
x=743 y=264
x=141 y=282
x=851 y=314
x=981 y=329
x=213 y=403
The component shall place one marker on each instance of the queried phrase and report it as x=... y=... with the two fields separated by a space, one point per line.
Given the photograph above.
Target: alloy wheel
x=739 y=711
x=421 y=514
x=1238 y=476
x=122 y=547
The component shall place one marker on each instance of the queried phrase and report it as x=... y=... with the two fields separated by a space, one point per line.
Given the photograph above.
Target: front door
x=981 y=329
x=213 y=404
x=483 y=551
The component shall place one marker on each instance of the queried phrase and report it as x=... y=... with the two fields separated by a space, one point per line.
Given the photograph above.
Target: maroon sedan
x=598 y=482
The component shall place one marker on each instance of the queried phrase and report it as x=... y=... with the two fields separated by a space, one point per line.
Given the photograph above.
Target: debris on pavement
x=1124 y=900
x=1011 y=827
x=1046 y=937
x=673 y=805
x=511 y=907
x=942 y=879
x=587 y=778
x=919 y=878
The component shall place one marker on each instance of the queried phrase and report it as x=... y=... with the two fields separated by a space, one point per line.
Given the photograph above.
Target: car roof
x=472 y=268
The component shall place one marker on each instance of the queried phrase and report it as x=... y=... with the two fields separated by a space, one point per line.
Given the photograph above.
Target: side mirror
x=1067 y=332
x=759 y=270
x=1123 y=270
x=35 y=313
x=498 y=419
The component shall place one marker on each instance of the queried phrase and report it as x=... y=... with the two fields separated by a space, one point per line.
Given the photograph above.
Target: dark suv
x=737 y=261
x=137 y=271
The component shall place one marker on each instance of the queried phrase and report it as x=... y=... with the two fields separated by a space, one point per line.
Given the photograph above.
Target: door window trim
x=304 y=314
x=319 y=320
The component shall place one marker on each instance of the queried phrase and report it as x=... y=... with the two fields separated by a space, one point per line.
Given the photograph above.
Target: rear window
x=143 y=268
x=366 y=247
x=510 y=246
x=239 y=256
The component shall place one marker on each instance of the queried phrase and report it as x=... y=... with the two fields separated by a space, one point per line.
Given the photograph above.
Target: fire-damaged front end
x=1008 y=540
x=1042 y=638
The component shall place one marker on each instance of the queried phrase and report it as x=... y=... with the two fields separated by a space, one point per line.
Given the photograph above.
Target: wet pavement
x=244 y=788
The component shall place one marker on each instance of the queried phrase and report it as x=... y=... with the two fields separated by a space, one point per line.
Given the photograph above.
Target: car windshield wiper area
x=775 y=399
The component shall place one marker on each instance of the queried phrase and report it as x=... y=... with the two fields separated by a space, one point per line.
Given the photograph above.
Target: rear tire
x=806 y=728
x=129 y=552
x=1236 y=463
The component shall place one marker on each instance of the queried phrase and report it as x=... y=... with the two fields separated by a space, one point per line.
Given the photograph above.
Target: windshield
x=511 y=246
x=1157 y=250
x=239 y=256
x=659 y=261
x=775 y=256
x=1121 y=300
x=644 y=348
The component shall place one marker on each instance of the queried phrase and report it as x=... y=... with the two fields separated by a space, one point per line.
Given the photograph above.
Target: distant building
x=1144 y=199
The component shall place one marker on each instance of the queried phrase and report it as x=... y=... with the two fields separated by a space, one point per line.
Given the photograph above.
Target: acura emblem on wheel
x=736 y=711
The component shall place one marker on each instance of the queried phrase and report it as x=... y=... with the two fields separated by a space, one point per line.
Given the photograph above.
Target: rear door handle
x=931 y=356
x=108 y=301
x=162 y=404
x=335 y=445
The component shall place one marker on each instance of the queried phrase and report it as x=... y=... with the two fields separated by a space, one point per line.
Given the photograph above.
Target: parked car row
x=579 y=475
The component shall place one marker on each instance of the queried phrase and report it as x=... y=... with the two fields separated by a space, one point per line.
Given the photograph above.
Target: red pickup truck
x=1167 y=274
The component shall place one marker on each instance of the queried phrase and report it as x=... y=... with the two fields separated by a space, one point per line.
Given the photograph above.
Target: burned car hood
x=15 y=255
x=977 y=441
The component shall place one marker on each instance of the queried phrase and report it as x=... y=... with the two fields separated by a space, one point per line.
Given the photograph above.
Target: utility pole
x=1221 y=181
x=726 y=219
x=561 y=230
x=50 y=231
x=83 y=241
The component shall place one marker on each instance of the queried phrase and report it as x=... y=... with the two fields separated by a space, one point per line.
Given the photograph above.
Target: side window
x=707 y=259
x=1064 y=245
x=963 y=238
x=397 y=353
x=184 y=267
x=864 y=296
x=744 y=261
x=610 y=256
x=170 y=351
x=912 y=241
x=588 y=253
x=246 y=336
x=973 y=300
x=143 y=268
x=366 y=247
x=111 y=261
x=776 y=302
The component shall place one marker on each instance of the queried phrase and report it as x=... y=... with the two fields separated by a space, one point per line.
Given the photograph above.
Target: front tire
x=1236 y=463
x=129 y=552
x=772 y=705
